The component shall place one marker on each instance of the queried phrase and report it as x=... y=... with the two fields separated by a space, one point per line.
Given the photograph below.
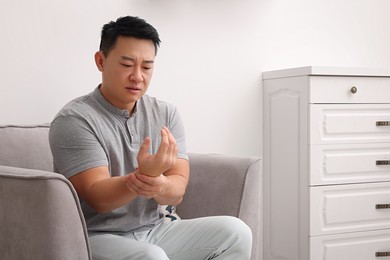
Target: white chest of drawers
x=326 y=164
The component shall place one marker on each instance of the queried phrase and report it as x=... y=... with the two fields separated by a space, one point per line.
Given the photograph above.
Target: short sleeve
x=177 y=129
x=74 y=146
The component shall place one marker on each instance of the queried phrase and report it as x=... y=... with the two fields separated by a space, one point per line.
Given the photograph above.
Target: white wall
x=209 y=63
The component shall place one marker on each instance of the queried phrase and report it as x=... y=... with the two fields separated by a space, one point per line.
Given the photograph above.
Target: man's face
x=126 y=71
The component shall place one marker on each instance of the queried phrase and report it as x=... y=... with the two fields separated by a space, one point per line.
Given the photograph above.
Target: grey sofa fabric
x=26 y=146
x=40 y=215
x=226 y=185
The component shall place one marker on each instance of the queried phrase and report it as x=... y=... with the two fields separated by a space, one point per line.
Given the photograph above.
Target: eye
x=126 y=65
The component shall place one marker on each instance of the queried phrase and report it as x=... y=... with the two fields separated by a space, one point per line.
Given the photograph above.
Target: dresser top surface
x=327 y=71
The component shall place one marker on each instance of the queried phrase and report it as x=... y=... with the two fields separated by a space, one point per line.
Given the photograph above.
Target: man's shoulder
x=77 y=117
x=78 y=107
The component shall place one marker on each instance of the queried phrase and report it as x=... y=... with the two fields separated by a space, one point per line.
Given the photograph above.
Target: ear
x=99 y=60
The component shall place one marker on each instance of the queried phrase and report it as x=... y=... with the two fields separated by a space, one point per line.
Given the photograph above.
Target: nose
x=136 y=74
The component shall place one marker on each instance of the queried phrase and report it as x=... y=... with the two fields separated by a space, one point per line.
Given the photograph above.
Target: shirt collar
x=107 y=105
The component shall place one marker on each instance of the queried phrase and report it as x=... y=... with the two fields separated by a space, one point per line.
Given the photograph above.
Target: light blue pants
x=223 y=237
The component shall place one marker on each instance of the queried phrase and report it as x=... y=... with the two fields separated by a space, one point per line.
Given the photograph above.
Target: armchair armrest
x=40 y=217
x=226 y=185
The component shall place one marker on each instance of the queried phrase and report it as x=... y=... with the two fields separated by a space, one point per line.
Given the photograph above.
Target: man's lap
x=201 y=238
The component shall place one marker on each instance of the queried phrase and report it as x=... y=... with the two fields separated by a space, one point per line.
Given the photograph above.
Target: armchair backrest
x=26 y=147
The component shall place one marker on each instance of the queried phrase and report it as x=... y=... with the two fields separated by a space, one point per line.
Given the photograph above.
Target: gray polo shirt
x=90 y=132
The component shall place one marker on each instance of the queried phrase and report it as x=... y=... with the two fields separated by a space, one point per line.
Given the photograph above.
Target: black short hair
x=128 y=26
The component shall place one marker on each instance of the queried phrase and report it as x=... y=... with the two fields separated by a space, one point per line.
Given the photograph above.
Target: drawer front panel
x=356 y=246
x=349 y=163
x=348 y=208
x=345 y=123
x=340 y=89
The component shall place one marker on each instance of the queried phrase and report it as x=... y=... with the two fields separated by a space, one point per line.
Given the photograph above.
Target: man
x=124 y=152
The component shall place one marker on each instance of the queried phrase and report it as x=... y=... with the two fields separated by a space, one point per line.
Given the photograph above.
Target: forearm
x=108 y=194
x=101 y=191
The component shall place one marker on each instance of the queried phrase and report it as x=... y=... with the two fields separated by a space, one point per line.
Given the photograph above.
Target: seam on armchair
x=253 y=160
x=44 y=125
x=253 y=223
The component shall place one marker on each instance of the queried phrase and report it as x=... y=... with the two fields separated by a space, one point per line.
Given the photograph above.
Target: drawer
x=325 y=89
x=348 y=208
x=349 y=163
x=353 y=246
x=349 y=123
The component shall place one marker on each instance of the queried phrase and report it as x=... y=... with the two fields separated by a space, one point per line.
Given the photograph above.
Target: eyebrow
x=132 y=59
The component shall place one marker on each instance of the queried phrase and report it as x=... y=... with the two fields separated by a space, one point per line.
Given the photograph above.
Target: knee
x=154 y=253
x=238 y=235
x=237 y=228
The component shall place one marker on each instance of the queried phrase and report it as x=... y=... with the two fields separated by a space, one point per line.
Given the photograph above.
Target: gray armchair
x=40 y=215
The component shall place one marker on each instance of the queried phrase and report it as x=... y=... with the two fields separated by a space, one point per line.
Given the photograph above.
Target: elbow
x=177 y=201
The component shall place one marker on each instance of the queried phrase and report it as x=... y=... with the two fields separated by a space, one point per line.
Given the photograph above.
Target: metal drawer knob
x=382 y=123
x=382 y=206
x=353 y=90
x=382 y=162
x=382 y=254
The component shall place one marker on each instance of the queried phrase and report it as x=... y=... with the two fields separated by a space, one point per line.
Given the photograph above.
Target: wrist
x=129 y=181
x=148 y=173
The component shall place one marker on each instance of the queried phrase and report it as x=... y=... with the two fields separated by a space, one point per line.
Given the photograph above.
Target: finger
x=131 y=183
x=152 y=181
x=164 y=145
x=171 y=138
x=155 y=185
x=143 y=150
x=138 y=186
x=173 y=153
x=145 y=178
x=173 y=150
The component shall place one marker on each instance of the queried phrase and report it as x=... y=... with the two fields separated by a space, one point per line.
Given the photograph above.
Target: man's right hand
x=163 y=160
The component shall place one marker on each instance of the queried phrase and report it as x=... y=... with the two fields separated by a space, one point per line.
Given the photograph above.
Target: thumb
x=143 y=150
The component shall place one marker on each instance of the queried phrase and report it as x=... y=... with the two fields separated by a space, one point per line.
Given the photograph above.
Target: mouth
x=133 y=89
